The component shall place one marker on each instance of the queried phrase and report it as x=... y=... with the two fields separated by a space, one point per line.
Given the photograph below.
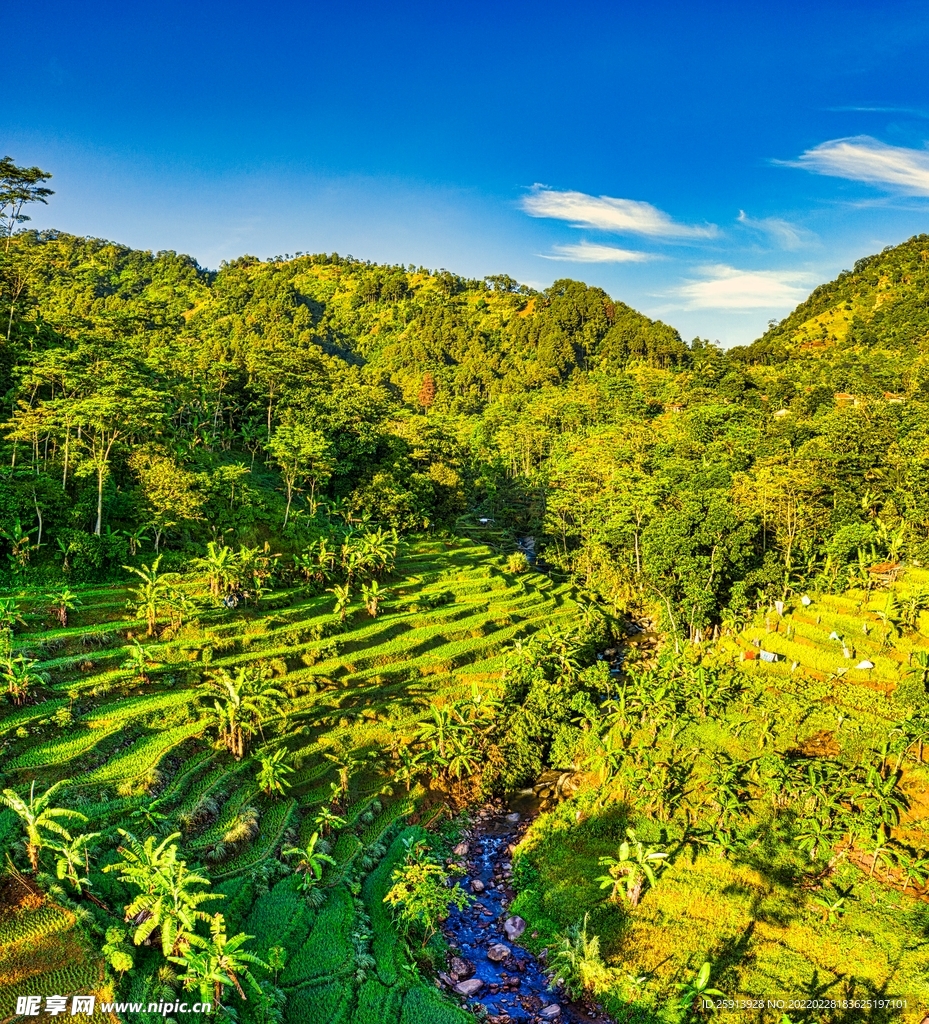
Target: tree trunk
x=290 y=494
x=38 y=512
x=99 y=526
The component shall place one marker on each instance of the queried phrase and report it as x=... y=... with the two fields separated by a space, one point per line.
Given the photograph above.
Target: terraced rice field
x=447 y=615
x=820 y=646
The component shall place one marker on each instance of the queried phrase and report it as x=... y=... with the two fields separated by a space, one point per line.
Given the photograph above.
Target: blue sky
x=708 y=163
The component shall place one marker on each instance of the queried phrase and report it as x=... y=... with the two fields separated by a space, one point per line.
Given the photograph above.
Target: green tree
x=301 y=453
x=371 y=595
x=577 y=963
x=63 y=601
x=19 y=186
x=151 y=596
x=121 y=407
x=39 y=818
x=168 y=492
x=272 y=775
x=169 y=894
x=221 y=567
x=309 y=861
x=633 y=866
x=72 y=855
x=696 y=988
x=20 y=675
x=211 y=964
x=241 y=703
x=421 y=894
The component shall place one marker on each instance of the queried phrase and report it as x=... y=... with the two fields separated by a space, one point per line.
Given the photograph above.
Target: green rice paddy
x=119 y=741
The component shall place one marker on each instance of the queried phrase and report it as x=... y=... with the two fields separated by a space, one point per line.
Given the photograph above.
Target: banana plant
x=634 y=865
x=696 y=989
x=38 y=819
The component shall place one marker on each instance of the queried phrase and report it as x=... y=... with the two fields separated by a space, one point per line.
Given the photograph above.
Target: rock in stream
x=486 y=964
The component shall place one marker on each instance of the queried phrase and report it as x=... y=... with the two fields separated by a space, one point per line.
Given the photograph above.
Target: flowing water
x=486 y=962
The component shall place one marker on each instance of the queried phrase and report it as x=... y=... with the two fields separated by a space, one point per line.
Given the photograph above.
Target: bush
x=517 y=563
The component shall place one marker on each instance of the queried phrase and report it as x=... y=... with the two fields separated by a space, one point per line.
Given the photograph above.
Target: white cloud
x=865 y=159
x=621 y=216
x=728 y=288
x=785 y=234
x=588 y=252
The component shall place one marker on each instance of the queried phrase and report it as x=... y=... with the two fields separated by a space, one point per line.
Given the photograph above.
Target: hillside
x=881 y=306
x=791 y=800
x=133 y=743
x=302 y=560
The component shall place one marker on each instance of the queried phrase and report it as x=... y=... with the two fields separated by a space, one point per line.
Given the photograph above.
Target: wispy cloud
x=588 y=252
x=725 y=287
x=865 y=159
x=781 y=232
x=914 y=111
x=620 y=216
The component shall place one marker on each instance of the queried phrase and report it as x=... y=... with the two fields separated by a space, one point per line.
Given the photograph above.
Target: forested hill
x=478 y=338
x=882 y=304
x=152 y=404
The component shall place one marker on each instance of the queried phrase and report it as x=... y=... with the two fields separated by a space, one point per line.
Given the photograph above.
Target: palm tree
x=371 y=595
x=10 y=615
x=346 y=764
x=816 y=833
x=342 y=596
x=325 y=820
x=272 y=776
x=608 y=757
x=20 y=676
x=438 y=732
x=20 y=543
x=63 y=601
x=464 y=755
x=377 y=549
x=71 y=854
x=152 y=593
x=309 y=862
x=137 y=662
x=135 y=538
x=212 y=964
x=882 y=799
x=833 y=904
x=241 y=704
x=38 y=818
x=635 y=865
x=220 y=565
x=150 y=815
x=920 y=667
x=168 y=893
x=915 y=869
x=698 y=987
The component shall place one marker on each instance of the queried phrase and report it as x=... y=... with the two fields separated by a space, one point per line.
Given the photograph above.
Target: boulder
x=514 y=927
x=461 y=850
x=471 y=987
x=477 y=885
x=512 y=818
x=550 y=1012
x=460 y=968
x=498 y=952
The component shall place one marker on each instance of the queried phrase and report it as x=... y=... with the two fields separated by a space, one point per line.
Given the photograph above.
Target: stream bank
x=486 y=963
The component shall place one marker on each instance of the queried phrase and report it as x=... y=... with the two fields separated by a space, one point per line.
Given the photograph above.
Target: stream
x=486 y=963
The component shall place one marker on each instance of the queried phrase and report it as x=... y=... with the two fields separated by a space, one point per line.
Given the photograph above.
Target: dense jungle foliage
x=151 y=401
x=302 y=557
